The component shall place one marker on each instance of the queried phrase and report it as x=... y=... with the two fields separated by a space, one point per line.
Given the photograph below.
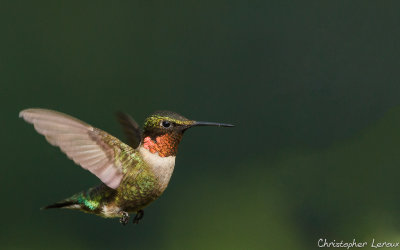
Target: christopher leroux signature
x=324 y=243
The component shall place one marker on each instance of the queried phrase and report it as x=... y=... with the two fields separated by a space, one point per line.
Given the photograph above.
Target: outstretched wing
x=89 y=147
x=131 y=129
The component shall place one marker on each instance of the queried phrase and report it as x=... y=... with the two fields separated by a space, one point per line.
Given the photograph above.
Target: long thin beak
x=198 y=123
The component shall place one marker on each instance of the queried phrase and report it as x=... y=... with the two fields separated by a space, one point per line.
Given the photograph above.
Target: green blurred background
x=313 y=89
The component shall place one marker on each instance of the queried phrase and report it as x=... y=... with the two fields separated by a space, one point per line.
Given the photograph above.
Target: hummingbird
x=132 y=175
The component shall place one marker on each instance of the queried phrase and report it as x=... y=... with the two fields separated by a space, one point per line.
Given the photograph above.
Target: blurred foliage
x=312 y=87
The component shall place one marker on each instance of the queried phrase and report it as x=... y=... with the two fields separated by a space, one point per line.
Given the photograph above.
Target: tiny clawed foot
x=124 y=218
x=138 y=217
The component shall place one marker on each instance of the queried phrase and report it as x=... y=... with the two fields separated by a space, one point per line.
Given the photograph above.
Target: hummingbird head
x=163 y=131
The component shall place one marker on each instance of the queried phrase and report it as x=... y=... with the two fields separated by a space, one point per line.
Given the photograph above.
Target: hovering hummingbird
x=132 y=175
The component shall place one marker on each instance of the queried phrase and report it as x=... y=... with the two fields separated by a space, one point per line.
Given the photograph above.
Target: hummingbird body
x=140 y=186
x=133 y=175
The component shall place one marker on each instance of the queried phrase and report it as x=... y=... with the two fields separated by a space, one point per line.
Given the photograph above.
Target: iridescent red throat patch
x=165 y=145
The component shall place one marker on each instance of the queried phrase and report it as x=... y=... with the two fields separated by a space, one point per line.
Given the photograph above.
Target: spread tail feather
x=71 y=202
x=88 y=201
x=60 y=204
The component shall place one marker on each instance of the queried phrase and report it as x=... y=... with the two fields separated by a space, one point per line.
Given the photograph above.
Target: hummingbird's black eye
x=166 y=124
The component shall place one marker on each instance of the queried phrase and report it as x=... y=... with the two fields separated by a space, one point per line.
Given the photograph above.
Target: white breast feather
x=161 y=166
